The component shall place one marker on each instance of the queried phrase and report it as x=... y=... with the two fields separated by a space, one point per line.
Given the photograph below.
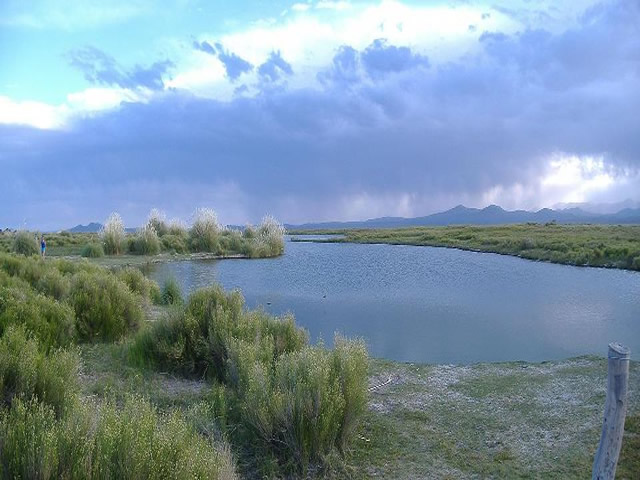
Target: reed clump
x=299 y=402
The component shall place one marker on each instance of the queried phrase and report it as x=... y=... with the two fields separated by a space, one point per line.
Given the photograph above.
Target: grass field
x=612 y=246
x=507 y=420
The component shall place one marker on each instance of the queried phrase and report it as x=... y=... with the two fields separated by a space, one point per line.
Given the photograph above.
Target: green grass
x=612 y=246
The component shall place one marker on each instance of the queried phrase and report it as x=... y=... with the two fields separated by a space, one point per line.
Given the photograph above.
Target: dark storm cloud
x=233 y=64
x=380 y=58
x=100 y=68
x=454 y=130
x=274 y=68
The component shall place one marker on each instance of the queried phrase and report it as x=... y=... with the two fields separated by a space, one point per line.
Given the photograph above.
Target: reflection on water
x=424 y=304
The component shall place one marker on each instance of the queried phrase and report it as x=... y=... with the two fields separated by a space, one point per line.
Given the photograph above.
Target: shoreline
x=461 y=248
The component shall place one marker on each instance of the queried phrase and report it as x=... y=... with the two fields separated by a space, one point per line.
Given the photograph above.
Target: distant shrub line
x=205 y=235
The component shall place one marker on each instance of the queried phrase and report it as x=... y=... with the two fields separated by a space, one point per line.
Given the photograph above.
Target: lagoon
x=433 y=305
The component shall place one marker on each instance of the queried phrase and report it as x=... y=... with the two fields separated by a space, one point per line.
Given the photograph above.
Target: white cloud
x=300 y=7
x=86 y=102
x=33 y=114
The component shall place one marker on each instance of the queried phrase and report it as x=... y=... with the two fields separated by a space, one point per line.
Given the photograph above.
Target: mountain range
x=491 y=215
x=461 y=215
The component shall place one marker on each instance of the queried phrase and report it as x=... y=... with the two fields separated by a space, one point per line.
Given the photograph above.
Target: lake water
x=434 y=305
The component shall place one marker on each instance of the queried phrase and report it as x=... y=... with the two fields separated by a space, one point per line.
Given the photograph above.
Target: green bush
x=138 y=283
x=171 y=292
x=53 y=284
x=157 y=220
x=26 y=371
x=105 y=307
x=51 y=322
x=146 y=241
x=132 y=443
x=11 y=264
x=92 y=250
x=204 y=233
x=176 y=243
x=25 y=243
x=299 y=403
x=178 y=228
x=306 y=405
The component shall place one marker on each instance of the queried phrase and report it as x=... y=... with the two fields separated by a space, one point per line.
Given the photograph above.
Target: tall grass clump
x=105 y=307
x=305 y=405
x=132 y=443
x=92 y=250
x=299 y=404
x=204 y=232
x=177 y=227
x=138 y=283
x=51 y=322
x=25 y=243
x=112 y=235
x=146 y=241
x=269 y=238
x=158 y=220
x=26 y=371
x=171 y=293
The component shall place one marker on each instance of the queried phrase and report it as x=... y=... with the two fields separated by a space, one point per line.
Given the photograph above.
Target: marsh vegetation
x=272 y=404
x=155 y=236
x=613 y=246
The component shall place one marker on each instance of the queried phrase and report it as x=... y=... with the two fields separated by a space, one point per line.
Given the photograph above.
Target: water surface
x=435 y=305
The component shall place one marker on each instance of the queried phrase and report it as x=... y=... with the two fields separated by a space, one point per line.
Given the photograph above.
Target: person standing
x=43 y=246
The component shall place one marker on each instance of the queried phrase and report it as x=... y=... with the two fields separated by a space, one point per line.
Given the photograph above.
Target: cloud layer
x=381 y=130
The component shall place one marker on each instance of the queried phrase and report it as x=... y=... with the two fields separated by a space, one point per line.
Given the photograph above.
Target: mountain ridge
x=490 y=215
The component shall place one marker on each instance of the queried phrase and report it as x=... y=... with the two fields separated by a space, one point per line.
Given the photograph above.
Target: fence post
x=615 y=409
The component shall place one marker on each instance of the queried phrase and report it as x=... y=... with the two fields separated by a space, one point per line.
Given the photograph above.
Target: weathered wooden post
x=615 y=409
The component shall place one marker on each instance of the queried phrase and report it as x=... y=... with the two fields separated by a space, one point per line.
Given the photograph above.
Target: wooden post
x=615 y=409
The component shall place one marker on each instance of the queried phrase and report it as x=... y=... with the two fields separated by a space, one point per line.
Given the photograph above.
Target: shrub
x=636 y=263
x=269 y=240
x=135 y=442
x=138 y=283
x=177 y=227
x=112 y=235
x=175 y=243
x=203 y=236
x=305 y=406
x=105 y=307
x=25 y=243
x=171 y=292
x=146 y=241
x=232 y=241
x=300 y=402
x=249 y=232
x=51 y=322
x=26 y=371
x=157 y=220
x=92 y=250
x=53 y=284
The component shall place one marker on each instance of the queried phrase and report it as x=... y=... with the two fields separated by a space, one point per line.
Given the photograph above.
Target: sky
x=313 y=111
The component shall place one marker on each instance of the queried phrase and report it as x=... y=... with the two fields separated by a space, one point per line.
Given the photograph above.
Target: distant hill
x=91 y=228
x=491 y=215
